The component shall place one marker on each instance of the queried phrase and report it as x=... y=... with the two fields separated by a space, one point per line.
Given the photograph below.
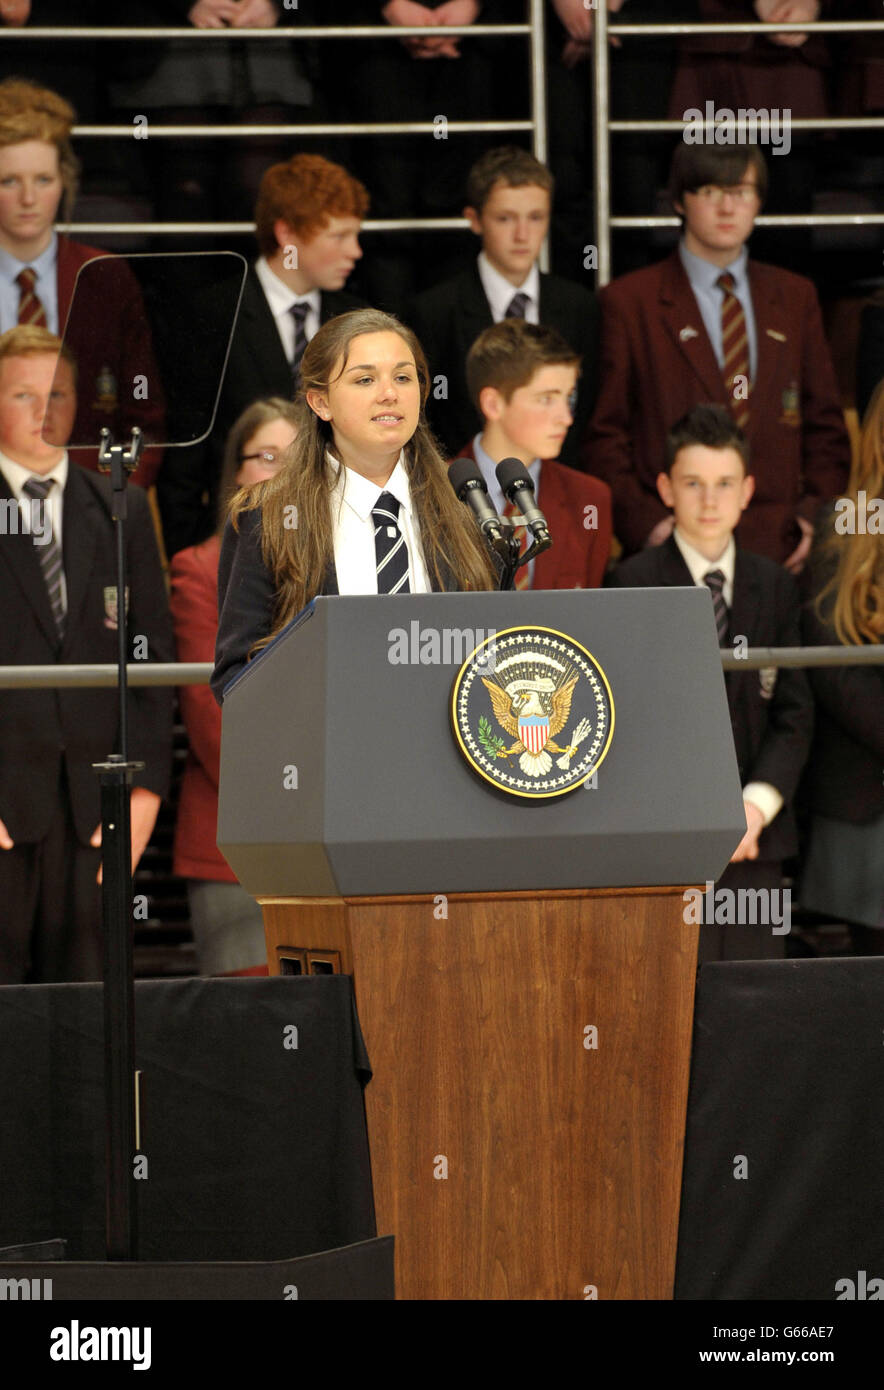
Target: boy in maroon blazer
x=523 y=378
x=708 y=324
x=39 y=268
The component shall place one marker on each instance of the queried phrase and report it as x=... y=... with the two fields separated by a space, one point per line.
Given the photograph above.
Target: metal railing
x=533 y=30
x=604 y=126
x=141 y=673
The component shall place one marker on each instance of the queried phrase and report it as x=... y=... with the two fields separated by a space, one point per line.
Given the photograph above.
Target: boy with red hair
x=307 y=221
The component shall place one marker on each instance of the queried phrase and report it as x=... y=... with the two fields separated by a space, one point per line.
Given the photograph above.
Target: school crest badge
x=532 y=712
x=111 y=616
x=106 y=394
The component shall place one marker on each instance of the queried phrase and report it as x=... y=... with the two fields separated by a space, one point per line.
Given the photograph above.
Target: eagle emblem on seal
x=532 y=709
x=532 y=712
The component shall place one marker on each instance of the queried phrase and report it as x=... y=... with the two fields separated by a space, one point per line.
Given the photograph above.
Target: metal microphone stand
x=121 y=1121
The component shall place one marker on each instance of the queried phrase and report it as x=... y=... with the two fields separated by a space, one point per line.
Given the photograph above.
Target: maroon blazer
x=578 y=555
x=110 y=338
x=748 y=70
x=194 y=604
x=657 y=363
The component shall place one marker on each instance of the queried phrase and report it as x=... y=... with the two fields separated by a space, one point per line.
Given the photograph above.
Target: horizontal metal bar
x=388 y=31
x=756 y=657
x=821 y=26
x=379 y=224
x=141 y=673
x=796 y=219
x=750 y=123
x=446 y=224
x=137 y=673
x=308 y=31
x=175 y=132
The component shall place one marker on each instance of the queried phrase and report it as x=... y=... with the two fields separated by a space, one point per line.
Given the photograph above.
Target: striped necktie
x=715 y=580
x=517 y=306
x=390 y=549
x=50 y=554
x=30 y=308
x=523 y=578
x=299 y=313
x=735 y=346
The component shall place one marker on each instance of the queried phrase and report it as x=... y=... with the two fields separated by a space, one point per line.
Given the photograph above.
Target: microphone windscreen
x=511 y=471
x=463 y=471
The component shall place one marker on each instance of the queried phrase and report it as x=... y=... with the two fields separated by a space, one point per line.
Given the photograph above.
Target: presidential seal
x=532 y=712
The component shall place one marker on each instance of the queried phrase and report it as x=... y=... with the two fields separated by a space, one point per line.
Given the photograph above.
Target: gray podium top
x=340 y=773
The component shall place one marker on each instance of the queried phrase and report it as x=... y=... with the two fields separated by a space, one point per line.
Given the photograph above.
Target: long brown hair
x=855 y=593
x=296 y=517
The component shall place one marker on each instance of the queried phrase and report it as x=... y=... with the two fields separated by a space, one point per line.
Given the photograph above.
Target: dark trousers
x=50 y=907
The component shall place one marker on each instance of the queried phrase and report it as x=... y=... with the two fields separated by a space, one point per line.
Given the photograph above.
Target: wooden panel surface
x=509 y=1159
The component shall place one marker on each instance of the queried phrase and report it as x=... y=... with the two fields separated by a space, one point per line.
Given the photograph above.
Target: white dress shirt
x=16 y=476
x=45 y=287
x=764 y=795
x=499 y=292
x=355 y=554
x=281 y=301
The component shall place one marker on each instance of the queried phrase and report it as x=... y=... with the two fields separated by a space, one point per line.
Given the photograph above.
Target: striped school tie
x=517 y=306
x=50 y=554
x=390 y=548
x=735 y=346
x=715 y=580
x=30 y=308
x=523 y=578
x=299 y=313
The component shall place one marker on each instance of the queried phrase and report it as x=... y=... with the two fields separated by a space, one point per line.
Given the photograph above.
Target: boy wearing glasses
x=709 y=324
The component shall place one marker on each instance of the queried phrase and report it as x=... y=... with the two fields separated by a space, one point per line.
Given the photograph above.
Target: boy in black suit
x=307 y=221
x=509 y=196
x=705 y=481
x=59 y=600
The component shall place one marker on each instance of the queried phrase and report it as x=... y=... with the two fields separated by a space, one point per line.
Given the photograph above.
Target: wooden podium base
x=531 y=1055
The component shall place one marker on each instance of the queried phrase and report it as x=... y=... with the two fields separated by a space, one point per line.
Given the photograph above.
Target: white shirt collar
x=498 y=290
x=16 y=474
x=700 y=566
x=361 y=494
x=278 y=295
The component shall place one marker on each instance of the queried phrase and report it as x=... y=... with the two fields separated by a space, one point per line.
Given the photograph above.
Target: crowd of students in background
x=690 y=412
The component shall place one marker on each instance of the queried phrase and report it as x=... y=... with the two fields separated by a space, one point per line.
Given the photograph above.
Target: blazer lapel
x=745 y=606
x=474 y=311
x=66 y=267
x=681 y=316
x=80 y=525
x=773 y=330
x=552 y=563
x=330 y=587
x=671 y=563
x=21 y=557
x=255 y=312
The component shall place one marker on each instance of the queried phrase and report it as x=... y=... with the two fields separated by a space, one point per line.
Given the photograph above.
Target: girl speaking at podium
x=362 y=504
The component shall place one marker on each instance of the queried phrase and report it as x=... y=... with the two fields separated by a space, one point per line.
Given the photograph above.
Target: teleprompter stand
x=116 y=905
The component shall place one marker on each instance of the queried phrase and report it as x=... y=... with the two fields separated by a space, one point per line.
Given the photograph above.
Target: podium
x=523 y=969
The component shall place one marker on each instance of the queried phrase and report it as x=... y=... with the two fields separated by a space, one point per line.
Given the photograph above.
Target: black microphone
x=515 y=482
x=468 y=483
